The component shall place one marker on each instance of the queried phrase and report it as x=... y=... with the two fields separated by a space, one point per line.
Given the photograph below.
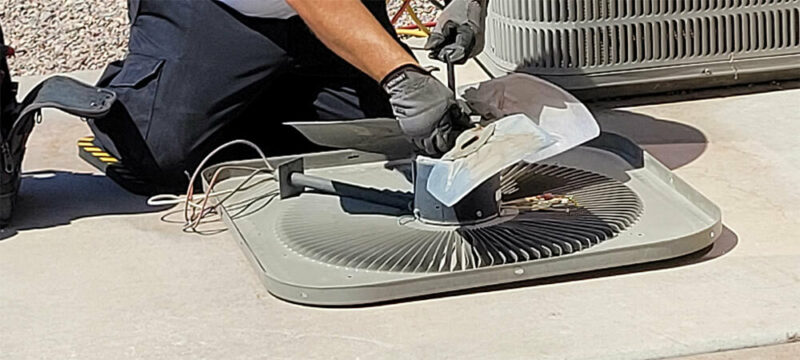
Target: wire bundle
x=419 y=28
x=196 y=207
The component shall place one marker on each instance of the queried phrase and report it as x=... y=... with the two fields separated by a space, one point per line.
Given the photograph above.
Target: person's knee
x=157 y=159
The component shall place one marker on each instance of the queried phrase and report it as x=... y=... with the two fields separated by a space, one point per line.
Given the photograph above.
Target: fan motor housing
x=480 y=205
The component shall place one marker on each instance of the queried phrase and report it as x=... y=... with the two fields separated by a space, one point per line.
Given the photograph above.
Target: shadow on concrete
x=53 y=198
x=672 y=143
x=698 y=94
x=726 y=242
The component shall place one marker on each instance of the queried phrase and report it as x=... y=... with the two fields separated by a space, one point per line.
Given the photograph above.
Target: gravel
x=66 y=35
x=424 y=10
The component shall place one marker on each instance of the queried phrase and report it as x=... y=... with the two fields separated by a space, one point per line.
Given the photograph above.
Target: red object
x=400 y=12
x=10 y=51
x=414 y=26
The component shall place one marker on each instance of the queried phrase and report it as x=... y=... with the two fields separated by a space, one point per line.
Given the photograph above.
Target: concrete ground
x=783 y=351
x=88 y=271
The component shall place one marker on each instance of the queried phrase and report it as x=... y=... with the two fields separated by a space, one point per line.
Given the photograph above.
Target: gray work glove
x=427 y=110
x=459 y=32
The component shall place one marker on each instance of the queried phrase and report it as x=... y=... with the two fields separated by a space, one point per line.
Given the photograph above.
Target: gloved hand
x=426 y=109
x=459 y=32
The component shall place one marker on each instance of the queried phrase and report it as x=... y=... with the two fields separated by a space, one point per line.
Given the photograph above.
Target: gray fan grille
x=318 y=229
x=585 y=36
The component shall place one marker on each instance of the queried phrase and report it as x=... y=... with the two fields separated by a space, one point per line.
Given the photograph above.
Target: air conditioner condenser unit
x=597 y=48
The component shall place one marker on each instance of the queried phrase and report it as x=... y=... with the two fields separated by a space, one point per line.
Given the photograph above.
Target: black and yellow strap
x=95 y=155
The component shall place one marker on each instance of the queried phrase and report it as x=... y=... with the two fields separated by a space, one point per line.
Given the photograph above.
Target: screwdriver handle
x=451 y=76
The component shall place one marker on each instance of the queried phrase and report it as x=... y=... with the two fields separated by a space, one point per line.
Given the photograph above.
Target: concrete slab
x=783 y=351
x=88 y=271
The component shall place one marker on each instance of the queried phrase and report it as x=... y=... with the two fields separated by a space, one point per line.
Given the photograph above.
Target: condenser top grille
x=321 y=232
x=584 y=36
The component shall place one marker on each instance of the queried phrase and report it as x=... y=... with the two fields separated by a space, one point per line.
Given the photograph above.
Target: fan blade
x=553 y=109
x=379 y=135
x=479 y=156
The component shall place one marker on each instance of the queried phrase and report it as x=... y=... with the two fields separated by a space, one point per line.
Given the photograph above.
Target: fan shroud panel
x=636 y=211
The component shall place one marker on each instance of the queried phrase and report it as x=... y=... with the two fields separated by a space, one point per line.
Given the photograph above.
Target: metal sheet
x=380 y=135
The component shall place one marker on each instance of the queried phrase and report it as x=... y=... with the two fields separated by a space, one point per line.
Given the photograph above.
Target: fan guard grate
x=591 y=36
x=320 y=230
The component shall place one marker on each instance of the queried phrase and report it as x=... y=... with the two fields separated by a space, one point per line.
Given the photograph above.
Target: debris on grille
x=546 y=201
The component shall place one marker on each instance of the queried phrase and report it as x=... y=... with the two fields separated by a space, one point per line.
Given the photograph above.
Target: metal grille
x=321 y=231
x=583 y=36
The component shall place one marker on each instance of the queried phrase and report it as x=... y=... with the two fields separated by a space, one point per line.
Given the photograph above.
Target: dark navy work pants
x=199 y=74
